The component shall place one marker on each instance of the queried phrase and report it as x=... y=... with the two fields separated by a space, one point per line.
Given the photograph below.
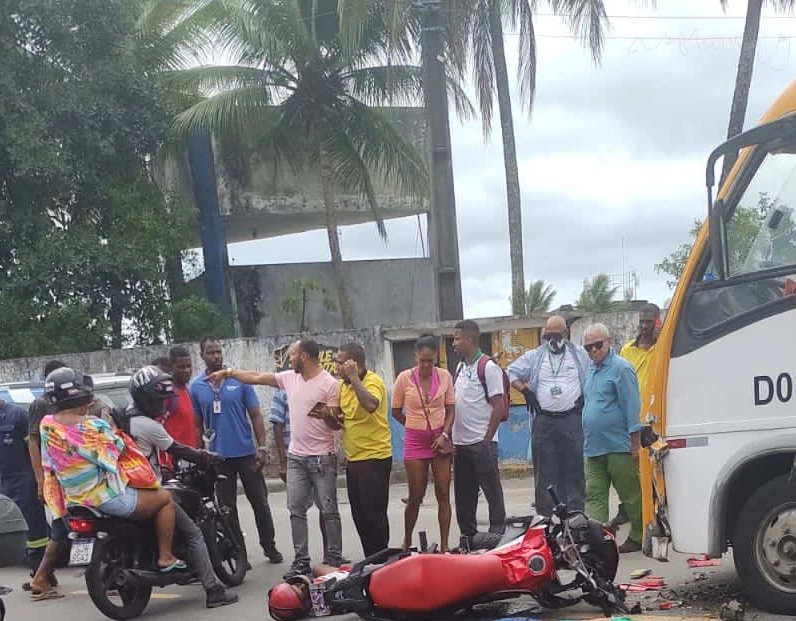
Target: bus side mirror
x=716 y=237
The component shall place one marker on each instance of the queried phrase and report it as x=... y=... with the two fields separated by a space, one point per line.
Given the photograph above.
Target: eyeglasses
x=593 y=346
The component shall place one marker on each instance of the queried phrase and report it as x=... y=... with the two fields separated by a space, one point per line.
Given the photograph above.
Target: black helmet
x=67 y=388
x=149 y=388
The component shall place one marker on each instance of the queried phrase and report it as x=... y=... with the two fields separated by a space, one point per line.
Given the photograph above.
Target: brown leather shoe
x=629 y=546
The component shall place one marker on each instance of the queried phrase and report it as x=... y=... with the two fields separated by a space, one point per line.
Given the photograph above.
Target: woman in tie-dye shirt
x=80 y=458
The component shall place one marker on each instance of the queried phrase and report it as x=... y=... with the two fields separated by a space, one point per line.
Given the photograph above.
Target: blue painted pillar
x=211 y=226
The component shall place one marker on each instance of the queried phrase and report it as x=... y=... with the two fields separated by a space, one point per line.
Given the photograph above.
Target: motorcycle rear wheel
x=227 y=554
x=99 y=582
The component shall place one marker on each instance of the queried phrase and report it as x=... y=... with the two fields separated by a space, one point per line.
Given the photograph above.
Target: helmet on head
x=67 y=388
x=150 y=387
x=290 y=600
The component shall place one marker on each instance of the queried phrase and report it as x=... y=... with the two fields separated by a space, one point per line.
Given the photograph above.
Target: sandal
x=177 y=564
x=38 y=596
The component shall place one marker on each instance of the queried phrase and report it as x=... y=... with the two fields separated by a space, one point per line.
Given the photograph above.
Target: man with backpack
x=482 y=400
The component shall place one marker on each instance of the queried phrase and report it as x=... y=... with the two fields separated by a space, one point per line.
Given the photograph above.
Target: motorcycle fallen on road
x=121 y=555
x=558 y=561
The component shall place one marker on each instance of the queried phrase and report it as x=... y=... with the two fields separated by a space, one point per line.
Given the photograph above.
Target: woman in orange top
x=422 y=401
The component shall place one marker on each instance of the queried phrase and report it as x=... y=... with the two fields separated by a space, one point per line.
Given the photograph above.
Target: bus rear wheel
x=764 y=547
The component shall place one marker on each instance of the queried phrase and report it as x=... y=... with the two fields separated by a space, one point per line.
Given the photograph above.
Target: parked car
x=112 y=385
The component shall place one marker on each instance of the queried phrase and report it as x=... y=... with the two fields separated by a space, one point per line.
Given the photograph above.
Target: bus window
x=760 y=232
x=761 y=246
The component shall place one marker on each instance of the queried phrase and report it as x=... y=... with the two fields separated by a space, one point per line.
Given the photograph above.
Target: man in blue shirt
x=231 y=409
x=611 y=433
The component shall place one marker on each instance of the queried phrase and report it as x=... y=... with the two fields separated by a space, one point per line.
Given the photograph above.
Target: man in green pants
x=611 y=432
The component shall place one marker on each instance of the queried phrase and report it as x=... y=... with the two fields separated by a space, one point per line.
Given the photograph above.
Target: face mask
x=556 y=345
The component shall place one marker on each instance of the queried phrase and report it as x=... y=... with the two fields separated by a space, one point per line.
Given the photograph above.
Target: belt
x=575 y=410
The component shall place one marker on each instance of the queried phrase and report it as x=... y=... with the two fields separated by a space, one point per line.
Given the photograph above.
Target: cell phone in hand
x=317 y=409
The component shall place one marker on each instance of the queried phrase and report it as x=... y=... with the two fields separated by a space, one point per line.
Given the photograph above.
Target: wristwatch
x=445 y=435
x=228 y=372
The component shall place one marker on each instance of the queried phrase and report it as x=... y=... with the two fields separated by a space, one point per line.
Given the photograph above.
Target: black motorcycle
x=122 y=554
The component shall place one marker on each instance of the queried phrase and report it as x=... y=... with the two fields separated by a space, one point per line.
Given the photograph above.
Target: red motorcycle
x=544 y=558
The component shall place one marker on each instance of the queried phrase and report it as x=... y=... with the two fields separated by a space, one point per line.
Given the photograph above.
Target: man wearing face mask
x=551 y=377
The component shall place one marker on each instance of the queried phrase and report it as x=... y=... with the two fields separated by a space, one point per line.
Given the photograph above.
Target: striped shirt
x=279 y=413
x=83 y=459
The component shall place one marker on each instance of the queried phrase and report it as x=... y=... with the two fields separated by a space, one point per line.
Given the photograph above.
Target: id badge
x=555 y=391
x=216 y=407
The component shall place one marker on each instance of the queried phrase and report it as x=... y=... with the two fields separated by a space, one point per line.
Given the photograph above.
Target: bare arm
x=258 y=425
x=247 y=377
x=398 y=414
x=498 y=411
x=450 y=410
x=367 y=400
x=281 y=449
x=34 y=448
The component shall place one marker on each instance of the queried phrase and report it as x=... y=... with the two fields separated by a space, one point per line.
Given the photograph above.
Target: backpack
x=481 y=370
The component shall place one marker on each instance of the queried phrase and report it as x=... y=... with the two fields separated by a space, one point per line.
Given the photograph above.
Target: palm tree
x=297 y=91
x=539 y=297
x=597 y=295
x=484 y=28
x=746 y=63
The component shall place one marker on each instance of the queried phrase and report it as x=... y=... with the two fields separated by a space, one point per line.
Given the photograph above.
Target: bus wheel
x=764 y=547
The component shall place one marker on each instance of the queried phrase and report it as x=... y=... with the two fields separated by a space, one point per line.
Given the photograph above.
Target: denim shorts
x=123 y=505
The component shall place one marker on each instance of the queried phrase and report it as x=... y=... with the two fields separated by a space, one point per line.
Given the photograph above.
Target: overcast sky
x=613 y=156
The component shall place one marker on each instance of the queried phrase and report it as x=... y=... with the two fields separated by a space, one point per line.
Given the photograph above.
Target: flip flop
x=38 y=596
x=178 y=564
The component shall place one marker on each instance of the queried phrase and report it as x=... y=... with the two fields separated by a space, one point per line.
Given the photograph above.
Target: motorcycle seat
x=82 y=511
x=424 y=582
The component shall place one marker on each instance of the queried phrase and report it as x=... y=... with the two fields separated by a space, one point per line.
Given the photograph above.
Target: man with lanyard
x=227 y=407
x=552 y=377
x=638 y=352
x=474 y=433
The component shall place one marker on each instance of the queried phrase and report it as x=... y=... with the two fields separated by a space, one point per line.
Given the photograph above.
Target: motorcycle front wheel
x=227 y=553
x=117 y=602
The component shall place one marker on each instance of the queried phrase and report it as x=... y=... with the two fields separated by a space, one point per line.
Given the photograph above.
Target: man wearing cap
x=638 y=352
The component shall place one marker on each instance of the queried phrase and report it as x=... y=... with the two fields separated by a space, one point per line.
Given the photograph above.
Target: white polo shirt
x=473 y=411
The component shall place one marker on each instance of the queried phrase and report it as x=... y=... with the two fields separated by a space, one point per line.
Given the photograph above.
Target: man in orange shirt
x=180 y=419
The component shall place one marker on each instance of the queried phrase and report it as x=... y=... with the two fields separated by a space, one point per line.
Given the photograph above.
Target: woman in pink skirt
x=422 y=401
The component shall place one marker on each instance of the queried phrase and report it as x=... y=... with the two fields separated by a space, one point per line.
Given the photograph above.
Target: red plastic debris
x=705 y=561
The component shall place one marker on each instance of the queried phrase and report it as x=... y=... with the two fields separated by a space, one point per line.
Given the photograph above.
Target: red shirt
x=179 y=422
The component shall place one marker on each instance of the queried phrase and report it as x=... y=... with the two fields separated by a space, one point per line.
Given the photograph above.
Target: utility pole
x=443 y=235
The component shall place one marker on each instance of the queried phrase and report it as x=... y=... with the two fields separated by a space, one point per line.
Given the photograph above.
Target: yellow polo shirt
x=365 y=435
x=640 y=359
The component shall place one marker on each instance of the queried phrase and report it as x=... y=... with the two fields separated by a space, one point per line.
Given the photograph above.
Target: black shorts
x=59 y=531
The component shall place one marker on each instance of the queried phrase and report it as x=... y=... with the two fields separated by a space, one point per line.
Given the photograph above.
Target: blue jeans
x=313 y=479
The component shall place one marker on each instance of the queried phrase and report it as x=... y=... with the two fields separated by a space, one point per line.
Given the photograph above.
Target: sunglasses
x=593 y=346
x=552 y=336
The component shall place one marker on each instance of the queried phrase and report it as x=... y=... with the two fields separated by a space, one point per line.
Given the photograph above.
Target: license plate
x=319 y=607
x=81 y=552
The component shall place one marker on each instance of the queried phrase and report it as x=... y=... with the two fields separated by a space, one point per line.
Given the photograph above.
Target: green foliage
x=83 y=228
x=194 y=318
x=597 y=295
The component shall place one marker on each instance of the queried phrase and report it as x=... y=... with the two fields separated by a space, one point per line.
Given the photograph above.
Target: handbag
x=442 y=451
x=134 y=468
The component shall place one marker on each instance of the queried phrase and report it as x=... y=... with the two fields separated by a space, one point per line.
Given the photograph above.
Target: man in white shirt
x=480 y=408
x=551 y=377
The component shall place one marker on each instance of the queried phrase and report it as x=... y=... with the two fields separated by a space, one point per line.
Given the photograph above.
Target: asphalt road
x=701 y=591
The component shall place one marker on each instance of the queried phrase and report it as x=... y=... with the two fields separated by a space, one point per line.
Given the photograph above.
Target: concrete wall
x=623 y=326
x=384 y=293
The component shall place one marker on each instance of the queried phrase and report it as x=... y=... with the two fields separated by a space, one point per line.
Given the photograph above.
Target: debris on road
x=637 y=574
x=705 y=561
x=732 y=611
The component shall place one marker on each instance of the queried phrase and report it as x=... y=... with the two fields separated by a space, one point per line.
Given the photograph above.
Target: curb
x=274 y=484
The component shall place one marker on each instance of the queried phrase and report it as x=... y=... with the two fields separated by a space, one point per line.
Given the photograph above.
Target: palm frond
x=209 y=79
x=521 y=13
x=483 y=61
x=230 y=113
x=394 y=84
x=586 y=19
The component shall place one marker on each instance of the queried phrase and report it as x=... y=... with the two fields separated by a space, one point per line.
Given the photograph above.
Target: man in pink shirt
x=313 y=397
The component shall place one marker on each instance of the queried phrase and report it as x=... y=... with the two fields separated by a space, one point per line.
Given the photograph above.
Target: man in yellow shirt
x=638 y=352
x=368 y=446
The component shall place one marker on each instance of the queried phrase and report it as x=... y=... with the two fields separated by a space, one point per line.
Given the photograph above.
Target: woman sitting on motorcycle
x=81 y=455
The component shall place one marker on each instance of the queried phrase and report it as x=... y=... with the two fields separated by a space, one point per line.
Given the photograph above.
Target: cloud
x=612 y=160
